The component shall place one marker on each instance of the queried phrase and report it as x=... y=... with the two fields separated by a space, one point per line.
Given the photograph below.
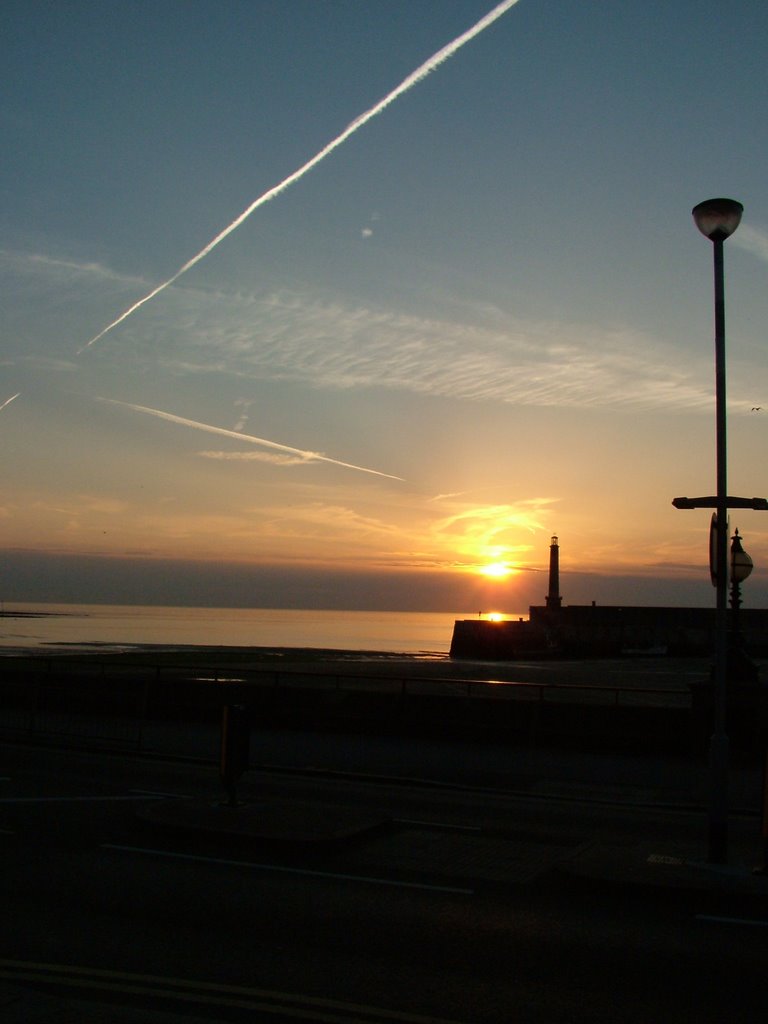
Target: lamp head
x=741 y=563
x=717 y=218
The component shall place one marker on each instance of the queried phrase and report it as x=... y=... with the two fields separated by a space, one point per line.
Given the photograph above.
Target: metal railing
x=139 y=706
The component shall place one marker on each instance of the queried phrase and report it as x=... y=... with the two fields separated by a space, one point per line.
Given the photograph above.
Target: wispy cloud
x=752 y=239
x=322 y=519
x=492 y=526
x=474 y=535
x=331 y=344
x=47 y=297
x=55 y=269
x=304 y=456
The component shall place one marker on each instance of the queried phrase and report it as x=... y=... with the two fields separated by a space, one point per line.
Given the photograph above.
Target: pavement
x=672 y=855
x=670 y=792
x=670 y=864
x=667 y=792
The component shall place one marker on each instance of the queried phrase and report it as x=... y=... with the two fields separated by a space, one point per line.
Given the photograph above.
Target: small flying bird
x=756 y=408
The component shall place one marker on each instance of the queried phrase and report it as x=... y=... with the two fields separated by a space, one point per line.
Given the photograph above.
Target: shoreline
x=135 y=652
x=93 y=628
x=622 y=672
x=17 y=614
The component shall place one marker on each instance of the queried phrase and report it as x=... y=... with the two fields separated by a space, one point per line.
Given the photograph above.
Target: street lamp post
x=717 y=219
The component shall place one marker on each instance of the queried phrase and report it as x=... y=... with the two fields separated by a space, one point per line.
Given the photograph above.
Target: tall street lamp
x=717 y=219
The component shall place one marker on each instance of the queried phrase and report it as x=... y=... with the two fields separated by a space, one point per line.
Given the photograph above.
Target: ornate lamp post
x=741 y=568
x=739 y=665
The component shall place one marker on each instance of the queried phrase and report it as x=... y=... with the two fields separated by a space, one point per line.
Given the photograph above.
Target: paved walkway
x=668 y=792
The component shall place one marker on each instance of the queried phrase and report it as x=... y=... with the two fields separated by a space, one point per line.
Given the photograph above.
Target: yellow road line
x=329 y=1011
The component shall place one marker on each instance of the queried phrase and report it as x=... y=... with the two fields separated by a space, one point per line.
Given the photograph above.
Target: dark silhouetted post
x=717 y=219
x=740 y=668
x=235 y=742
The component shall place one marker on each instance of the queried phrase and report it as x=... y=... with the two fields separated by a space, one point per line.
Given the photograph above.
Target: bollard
x=763 y=869
x=235 y=741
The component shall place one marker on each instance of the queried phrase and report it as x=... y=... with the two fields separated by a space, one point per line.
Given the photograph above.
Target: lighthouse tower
x=553 y=597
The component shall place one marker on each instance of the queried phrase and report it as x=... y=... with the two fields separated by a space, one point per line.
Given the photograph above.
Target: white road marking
x=67 y=799
x=161 y=795
x=281 y=869
x=436 y=824
x=714 y=919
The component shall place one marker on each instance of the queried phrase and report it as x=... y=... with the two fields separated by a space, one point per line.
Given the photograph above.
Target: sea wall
x=603 y=631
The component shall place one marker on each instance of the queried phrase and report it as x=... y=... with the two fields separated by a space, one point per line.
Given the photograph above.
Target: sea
x=80 y=627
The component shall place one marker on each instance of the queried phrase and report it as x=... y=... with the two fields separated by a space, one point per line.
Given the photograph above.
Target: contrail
x=9 y=400
x=306 y=455
x=416 y=76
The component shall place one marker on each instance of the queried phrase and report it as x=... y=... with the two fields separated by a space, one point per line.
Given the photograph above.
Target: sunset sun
x=496 y=570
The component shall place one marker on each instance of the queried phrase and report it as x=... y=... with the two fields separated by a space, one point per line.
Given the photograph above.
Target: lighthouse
x=553 y=597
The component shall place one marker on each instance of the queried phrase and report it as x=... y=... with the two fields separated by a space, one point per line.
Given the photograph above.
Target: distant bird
x=756 y=408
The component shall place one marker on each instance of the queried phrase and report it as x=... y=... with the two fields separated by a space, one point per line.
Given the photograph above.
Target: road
x=454 y=903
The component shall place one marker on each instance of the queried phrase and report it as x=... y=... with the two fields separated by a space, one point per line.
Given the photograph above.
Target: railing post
x=235 y=743
x=763 y=868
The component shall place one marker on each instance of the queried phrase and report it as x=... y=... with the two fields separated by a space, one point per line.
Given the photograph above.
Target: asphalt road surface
x=450 y=904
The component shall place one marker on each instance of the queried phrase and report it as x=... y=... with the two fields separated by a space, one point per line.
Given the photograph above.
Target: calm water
x=125 y=627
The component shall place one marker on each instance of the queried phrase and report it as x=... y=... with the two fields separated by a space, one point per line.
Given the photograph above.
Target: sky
x=478 y=317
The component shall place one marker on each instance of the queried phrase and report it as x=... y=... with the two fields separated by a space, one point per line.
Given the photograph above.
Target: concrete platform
x=662 y=861
x=669 y=864
x=270 y=821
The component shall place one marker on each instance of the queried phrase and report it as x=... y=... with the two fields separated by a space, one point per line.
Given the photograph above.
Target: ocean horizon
x=59 y=627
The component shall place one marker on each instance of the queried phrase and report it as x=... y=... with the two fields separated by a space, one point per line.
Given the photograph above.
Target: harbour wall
x=603 y=631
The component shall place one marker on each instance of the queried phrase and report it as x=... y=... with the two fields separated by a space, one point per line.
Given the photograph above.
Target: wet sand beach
x=627 y=672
